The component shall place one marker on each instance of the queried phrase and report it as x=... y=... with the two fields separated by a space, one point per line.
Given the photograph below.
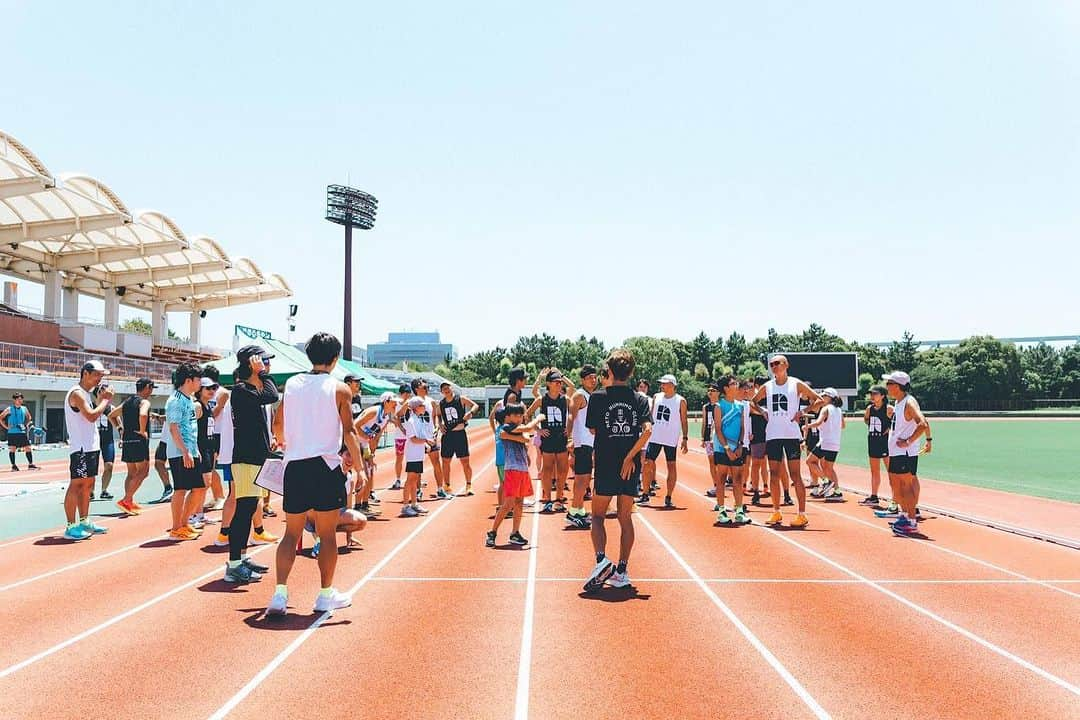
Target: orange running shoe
x=135 y=506
x=194 y=531
x=127 y=508
x=264 y=538
x=800 y=521
x=184 y=533
x=775 y=519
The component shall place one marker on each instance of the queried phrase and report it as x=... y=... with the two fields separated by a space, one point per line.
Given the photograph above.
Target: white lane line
x=932 y=615
x=79 y=564
x=790 y=679
x=727 y=581
x=115 y=619
x=956 y=553
x=292 y=647
x=521 y=703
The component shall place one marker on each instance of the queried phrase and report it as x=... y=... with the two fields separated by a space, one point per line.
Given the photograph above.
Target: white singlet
x=830 y=429
x=781 y=407
x=82 y=433
x=902 y=429
x=580 y=434
x=667 y=420
x=312 y=420
x=224 y=427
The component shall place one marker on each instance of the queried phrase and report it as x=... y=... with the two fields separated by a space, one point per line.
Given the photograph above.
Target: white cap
x=387 y=396
x=207 y=382
x=897 y=376
x=830 y=392
x=669 y=378
x=415 y=402
x=95 y=366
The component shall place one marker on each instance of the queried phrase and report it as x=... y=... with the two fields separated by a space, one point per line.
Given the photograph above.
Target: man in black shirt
x=621 y=423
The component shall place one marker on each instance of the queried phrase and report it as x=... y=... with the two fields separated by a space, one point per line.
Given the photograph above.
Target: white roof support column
x=195 y=329
x=159 y=322
x=71 y=304
x=112 y=309
x=53 y=286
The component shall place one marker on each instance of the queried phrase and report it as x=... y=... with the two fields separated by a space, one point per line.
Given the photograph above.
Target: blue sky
x=611 y=169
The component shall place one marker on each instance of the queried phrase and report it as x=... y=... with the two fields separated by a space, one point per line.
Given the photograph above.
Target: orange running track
x=838 y=620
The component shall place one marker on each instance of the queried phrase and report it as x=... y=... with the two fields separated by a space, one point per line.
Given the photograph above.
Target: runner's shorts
x=721 y=458
x=653 y=451
x=903 y=464
x=399 y=446
x=416 y=466
x=757 y=451
x=583 y=460
x=160 y=452
x=184 y=478
x=243 y=480
x=877 y=447
x=777 y=450
x=84 y=464
x=226 y=472
x=135 y=451
x=517 y=484
x=554 y=443
x=108 y=452
x=455 y=444
x=311 y=484
x=826 y=455
x=18 y=440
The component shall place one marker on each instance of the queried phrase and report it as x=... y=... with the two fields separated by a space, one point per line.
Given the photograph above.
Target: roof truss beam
x=98 y=256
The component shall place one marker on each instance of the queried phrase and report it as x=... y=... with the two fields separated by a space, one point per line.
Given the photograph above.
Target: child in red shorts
x=516 y=485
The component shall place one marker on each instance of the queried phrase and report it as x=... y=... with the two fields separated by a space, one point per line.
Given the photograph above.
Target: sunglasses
x=774 y=363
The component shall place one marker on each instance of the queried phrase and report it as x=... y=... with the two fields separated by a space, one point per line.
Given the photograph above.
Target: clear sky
x=611 y=169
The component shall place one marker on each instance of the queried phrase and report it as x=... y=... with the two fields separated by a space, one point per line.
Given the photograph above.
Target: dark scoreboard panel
x=838 y=370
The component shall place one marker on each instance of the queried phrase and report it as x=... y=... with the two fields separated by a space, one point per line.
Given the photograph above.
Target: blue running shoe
x=315 y=548
x=77 y=532
x=905 y=529
x=92 y=528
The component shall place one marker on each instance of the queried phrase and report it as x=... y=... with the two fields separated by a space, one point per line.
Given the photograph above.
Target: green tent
x=289 y=361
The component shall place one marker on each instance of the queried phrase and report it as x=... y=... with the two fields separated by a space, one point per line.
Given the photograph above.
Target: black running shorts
x=877 y=447
x=135 y=451
x=583 y=460
x=612 y=484
x=455 y=444
x=84 y=465
x=311 y=484
x=184 y=478
x=160 y=452
x=721 y=458
x=653 y=451
x=777 y=450
x=904 y=465
x=17 y=441
x=827 y=455
x=417 y=466
x=554 y=443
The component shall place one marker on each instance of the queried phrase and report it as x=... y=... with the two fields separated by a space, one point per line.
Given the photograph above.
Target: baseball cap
x=18 y=395
x=143 y=383
x=586 y=371
x=879 y=389
x=897 y=376
x=95 y=366
x=352 y=378
x=444 y=383
x=387 y=396
x=207 y=382
x=404 y=388
x=247 y=352
x=416 y=402
x=554 y=376
x=830 y=392
x=669 y=378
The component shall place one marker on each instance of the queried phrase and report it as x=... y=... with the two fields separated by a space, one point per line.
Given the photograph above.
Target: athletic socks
x=235 y=563
x=621 y=567
x=224 y=531
x=281 y=590
x=325 y=592
x=29 y=458
x=599 y=557
x=11 y=455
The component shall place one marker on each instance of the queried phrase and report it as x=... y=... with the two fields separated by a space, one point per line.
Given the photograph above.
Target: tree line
x=980 y=370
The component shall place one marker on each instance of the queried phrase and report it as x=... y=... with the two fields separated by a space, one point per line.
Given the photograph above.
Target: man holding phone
x=81 y=416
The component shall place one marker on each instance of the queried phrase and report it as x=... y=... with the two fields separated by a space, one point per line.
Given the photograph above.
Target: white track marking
x=790 y=679
x=521 y=702
x=956 y=553
x=115 y=619
x=292 y=647
x=79 y=564
x=728 y=581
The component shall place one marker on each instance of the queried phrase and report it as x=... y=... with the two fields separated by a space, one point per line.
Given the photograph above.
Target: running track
x=840 y=620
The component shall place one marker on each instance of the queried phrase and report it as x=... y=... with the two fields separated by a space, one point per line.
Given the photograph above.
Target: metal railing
x=50 y=361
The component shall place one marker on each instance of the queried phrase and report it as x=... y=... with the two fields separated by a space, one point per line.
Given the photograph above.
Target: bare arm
x=92 y=413
x=221 y=398
x=685 y=423
x=277 y=426
x=628 y=461
x=807 y=393
x=3 y=415
x=913 y=412
x=866 y=415
x=533 y=407
x=144 y=418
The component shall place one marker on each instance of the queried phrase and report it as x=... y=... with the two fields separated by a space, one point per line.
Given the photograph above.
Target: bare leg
x=176 y=505
x=326 y=528
x=796 y=479
x=600 y=505
x=875 y=475
x=106 y=476
x=162 y=469
x=776 y=469
x=286 y=549
x=625 y=505
x=466 y=468
x=672 y=477
x=648 y=475
x=562 y=466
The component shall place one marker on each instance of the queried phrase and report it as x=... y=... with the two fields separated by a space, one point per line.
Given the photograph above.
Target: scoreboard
x=825 y=369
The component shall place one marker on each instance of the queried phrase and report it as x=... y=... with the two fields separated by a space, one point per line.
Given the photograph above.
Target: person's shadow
x=259 y=620
x=615 y=595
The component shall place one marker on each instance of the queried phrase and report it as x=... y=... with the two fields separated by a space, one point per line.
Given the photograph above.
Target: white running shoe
x=278 y=605
x=333 y=601
x=599 y=575
x=219 y=504
x=619 y=580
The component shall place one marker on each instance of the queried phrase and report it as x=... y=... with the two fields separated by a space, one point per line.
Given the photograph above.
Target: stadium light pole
x=352 y=208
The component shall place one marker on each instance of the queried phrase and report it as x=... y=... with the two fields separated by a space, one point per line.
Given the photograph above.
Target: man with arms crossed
x=621 y=425
x=783 y=436
x=16 y=421
x=314 y=418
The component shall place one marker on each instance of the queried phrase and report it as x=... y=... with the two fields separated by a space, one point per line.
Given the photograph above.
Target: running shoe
x=222 y=540
x=599 y=575
x=219 y=504
x=441 y=494
x=369 y=511
x=269 y=511
x=77 y=532
x=510 y=514
x=891 y=511
x=756 y=499
x=667 y=502
x=256 y=567
x=742 y=517
x=468 y=490
x=870 y=501
x=15 y=468
x=241 y=574
x=409 y=511
x=711 y=492
x=396 y=485
x=517 y=538
x=728 y=481
x=278 y=605
x=834 y=496
x=196 y=531
x=331 y=602
x=106 y=495
x=723 y=518
x=316 y=548
x=644 y=499
x=91 y=493
x=126 y=507
x=918 y=514
x=787 y=499
x=560 y=506
x=655 y=485
x=264 y=538
x=374 y=499
x=93 y=527
x=166 y=496
x=548 y=507
x=184 y=533
x=420 y=509
x=34 y=467
x=800 y=521
x=776 y=518
x=716 y=507
x=196 y=522
x=904 y=527
x=619 y=579
x=489 y=539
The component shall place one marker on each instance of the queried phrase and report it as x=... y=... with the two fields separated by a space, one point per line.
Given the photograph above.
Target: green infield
x=1030 y=457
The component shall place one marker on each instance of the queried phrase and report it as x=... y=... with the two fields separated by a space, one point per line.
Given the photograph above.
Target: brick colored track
x=842 y=620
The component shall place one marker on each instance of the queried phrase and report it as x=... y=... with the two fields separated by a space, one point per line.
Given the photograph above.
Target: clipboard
x=272 y=476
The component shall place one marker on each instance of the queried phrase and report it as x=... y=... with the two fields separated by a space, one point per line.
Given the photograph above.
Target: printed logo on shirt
x=620 y=419
x=663 y=413
x=450 y=415
x=875 y=426
x=554 y=415
x=779 y=403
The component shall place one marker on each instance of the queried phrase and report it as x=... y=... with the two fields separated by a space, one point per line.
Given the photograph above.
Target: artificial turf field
x=1026 y=456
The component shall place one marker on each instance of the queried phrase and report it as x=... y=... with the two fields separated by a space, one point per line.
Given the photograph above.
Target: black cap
x=18 y=395
x=247 y=352
x=586 y=371
x=143 y=383
x=352 y=378
x=445 y=383
x=404 y=388
x=554 y=376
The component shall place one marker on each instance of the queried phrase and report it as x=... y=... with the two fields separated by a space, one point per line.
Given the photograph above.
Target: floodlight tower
x=352 y=208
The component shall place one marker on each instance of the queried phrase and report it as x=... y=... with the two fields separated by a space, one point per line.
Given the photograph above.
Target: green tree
x=752 y=369
x=654 y=357
x=702 y=351
x=684 y=355
x=692 y=389
x=987 y=369
x=736 y=351
x=817 y=339
x=573 y=354
x=1067 y=383
x=536 y=349
x=871 y=359
x=866 y=381
x=1040 y=366
x=139 y=326
x=903 y=354
x=934 y=379
x=701 y=371
x=721 y=368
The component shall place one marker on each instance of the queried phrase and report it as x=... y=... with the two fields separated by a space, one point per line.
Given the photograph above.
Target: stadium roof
x=80 y=226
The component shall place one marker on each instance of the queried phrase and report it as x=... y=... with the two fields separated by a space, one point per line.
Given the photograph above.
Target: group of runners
x=598 y=440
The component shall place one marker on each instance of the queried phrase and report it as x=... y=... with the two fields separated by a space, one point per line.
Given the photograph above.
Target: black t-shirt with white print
x=616 y=414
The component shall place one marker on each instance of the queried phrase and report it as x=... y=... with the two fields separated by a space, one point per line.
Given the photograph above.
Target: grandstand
x=75 y=236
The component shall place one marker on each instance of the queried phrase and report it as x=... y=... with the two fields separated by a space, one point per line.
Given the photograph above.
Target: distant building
x=359 y=354
x=420 y=347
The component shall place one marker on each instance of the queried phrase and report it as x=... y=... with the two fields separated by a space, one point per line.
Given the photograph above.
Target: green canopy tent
x=369 y=384
x=289 y=361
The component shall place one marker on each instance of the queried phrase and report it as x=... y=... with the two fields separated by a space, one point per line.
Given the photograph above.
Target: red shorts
x=517 y=484
x=399 y=445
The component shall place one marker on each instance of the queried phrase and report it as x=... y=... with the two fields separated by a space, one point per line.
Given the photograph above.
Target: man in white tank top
x=829 y=424
x=314 y=418
x=582 y=441
x=81 y=417
x=783 y=436
x=909 y=426
x=669 y=421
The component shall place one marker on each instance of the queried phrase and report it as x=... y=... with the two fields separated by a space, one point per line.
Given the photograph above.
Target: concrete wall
x=134 y=344
x=90 y=337
x=25 y=331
